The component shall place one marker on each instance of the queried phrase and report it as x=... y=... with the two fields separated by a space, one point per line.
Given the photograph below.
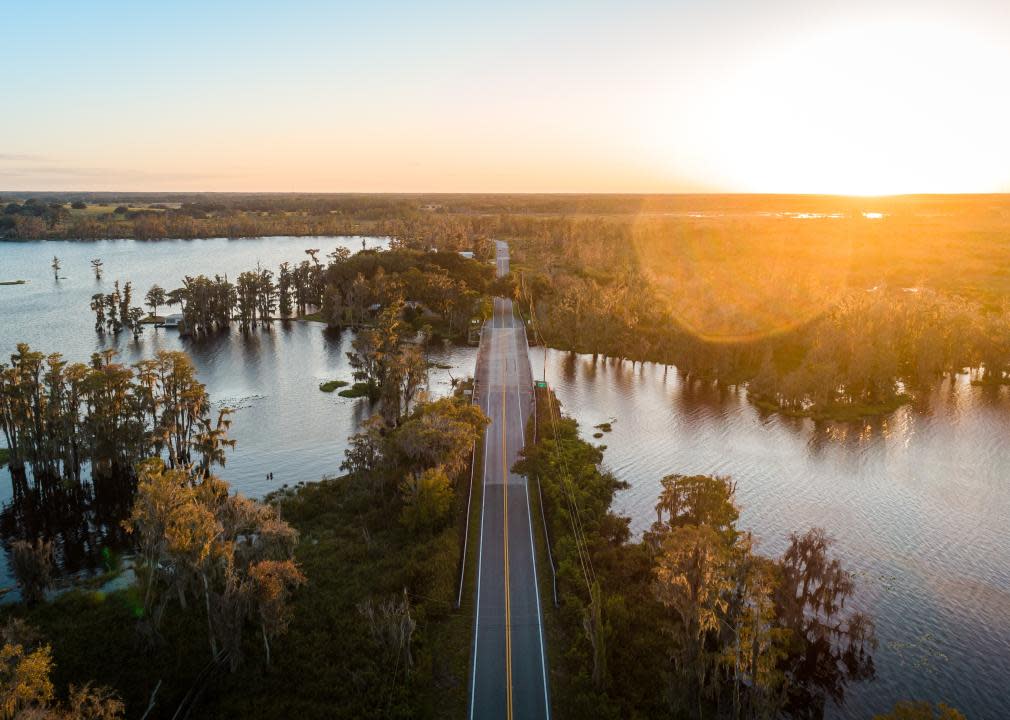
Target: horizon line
x=558 y=193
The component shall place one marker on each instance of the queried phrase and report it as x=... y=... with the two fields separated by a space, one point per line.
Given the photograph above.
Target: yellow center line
x=508 y=603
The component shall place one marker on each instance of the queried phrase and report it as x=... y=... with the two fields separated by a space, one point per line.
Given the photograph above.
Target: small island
x=358 y=389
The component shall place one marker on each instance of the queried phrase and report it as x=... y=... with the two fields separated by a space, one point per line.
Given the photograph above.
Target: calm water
x=283 y=423
x=919 y=503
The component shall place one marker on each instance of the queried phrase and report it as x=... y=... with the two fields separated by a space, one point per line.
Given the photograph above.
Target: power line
x=574 y=512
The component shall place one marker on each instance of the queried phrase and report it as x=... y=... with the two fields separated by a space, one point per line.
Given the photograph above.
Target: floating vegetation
x=356 y=390
x=885 y=581
x=605 y=426
x=13 y=282
x=918 y=654
x=331 y=385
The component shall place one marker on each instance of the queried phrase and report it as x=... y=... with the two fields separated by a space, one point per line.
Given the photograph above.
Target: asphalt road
x=509 y=665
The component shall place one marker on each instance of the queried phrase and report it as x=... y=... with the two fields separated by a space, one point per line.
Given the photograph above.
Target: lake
x=282 y=423
x=919 y=503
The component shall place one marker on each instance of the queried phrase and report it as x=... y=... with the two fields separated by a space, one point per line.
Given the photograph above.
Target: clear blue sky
x=772 y=95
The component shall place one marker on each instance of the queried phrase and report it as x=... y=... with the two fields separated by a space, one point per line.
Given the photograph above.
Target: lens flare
x=739 y=278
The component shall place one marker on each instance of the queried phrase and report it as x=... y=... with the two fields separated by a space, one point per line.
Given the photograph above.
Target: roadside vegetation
x=441 y=291
x=108 y=216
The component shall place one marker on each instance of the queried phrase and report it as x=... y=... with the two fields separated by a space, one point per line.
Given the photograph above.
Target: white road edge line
x=480 y=558
x=536 y=584
x=466 y=531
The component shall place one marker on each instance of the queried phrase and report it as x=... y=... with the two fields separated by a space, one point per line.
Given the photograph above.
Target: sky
x=780 y=96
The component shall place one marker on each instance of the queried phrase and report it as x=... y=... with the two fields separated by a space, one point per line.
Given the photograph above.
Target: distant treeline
x=385 y=205
x=835 y=317
x=247 y=216
x=434 y=217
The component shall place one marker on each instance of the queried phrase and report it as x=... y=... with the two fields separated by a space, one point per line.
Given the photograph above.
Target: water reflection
x=83 y=521
x=919 y=503
x=282 y=423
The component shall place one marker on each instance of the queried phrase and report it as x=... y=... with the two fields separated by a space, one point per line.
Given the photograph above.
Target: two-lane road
x=509 y=666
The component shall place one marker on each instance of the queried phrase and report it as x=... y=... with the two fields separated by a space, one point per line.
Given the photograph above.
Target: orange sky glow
x=875 y=98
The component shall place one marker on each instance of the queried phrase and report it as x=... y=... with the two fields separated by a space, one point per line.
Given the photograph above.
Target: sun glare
x=870 y=110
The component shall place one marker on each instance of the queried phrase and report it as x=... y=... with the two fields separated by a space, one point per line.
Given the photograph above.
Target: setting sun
x=867 y=98
x=878 y=108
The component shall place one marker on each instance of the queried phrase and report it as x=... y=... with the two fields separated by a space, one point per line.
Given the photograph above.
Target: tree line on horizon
x=713 y=304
